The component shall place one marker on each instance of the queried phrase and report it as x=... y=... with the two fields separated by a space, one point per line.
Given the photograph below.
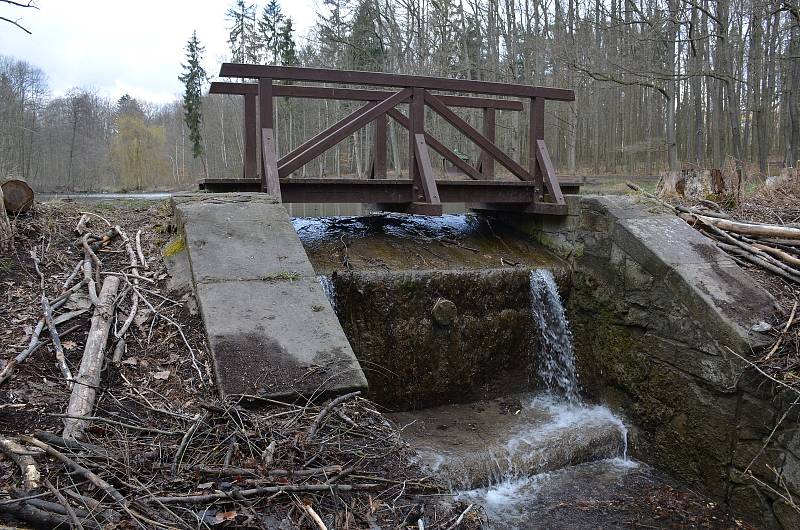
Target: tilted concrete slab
x=270 y=327
x=705 y=279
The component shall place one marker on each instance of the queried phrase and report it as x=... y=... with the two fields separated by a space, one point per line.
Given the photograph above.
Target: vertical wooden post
x=487 y=161
x=416 y=115
x=269 y=176
x=379 y=151
x=250 y=169
x=536 y=133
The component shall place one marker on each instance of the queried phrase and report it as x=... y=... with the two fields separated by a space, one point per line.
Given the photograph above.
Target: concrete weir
x=439 y=312
x=269 y=325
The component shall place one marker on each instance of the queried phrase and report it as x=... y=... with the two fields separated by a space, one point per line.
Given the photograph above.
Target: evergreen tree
x=286 y=45
x=128 y=106
x=366 y=50
x=193 y=78
x=269 y=31
x=241 y=34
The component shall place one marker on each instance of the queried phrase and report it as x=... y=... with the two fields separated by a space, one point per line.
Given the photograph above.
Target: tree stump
x=671 y=184
x=18 y=196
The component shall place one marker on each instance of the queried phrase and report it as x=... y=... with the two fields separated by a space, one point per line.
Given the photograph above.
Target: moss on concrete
x=175 y=246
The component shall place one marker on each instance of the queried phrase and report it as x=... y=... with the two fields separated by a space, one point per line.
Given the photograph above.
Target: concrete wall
x=656 y=311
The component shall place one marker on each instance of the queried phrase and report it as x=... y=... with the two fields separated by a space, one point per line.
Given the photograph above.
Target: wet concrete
x=609 y=493
x=394 y=242
x=491 y=441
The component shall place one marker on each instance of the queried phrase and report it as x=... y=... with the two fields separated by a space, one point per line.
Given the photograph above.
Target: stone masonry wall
x=657 y=312
x=428 y=338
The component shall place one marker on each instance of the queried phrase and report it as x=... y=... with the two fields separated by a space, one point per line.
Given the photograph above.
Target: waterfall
x=557 y=359
x=329 y=289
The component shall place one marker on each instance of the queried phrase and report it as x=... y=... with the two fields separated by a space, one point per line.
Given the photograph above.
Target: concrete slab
x=241 y=240
x=276 y=338
x=271 y=330
x=724 y=298
x=660 y=243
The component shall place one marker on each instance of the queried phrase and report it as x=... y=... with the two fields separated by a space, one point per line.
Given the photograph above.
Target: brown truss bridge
x=536 y=190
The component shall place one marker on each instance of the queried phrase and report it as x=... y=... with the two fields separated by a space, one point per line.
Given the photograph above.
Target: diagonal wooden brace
x=439 y=147
x=484 y=143
x=550 y=178
x=430 y=194
x=357 y=120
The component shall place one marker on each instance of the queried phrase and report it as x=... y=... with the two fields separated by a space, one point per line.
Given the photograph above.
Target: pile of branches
x=135 y=452
x=774 y=248
x=284 y=466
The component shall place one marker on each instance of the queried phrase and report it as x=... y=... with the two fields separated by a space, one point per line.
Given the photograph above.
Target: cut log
x=81 y=401
x=18 y=196
x=6 y=237
x=747 y=229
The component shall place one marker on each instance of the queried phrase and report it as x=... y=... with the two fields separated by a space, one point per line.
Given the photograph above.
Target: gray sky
x=118 y=47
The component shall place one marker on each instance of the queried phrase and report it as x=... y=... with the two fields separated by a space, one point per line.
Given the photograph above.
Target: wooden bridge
x=536 y=188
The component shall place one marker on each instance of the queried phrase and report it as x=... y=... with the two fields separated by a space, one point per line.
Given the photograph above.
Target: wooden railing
x=422 y=192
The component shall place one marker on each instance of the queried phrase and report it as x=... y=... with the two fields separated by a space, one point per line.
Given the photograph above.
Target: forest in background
x=659 y=84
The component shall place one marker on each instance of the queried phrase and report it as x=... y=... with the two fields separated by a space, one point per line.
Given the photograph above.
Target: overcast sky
x=119 y=47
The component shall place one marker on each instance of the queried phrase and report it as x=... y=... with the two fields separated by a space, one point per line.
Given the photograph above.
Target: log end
x=17 y=196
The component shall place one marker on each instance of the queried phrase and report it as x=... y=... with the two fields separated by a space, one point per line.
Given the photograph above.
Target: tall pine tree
x=193 y=78
x=242 y=34
x=286 y=45
x=270 y=31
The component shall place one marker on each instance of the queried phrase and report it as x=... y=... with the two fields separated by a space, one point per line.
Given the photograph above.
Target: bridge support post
x=536 y=133
x=250 y=169
x=378 y=170
x=487 y=162
x=270 y=182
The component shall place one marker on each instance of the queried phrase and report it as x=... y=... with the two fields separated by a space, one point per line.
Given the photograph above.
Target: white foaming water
x=329 y=289
x=508 y=504
x=557 y=360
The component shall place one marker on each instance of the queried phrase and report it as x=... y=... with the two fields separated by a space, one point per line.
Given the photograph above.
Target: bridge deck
x=399 y=191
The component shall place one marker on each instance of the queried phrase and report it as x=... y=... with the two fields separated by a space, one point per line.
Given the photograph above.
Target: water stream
x=577 y=446
x=557 y=359
x=329 y=289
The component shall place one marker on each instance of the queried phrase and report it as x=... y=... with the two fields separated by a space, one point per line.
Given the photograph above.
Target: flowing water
x=329 y=289
x=514 y=454
x=556 y=357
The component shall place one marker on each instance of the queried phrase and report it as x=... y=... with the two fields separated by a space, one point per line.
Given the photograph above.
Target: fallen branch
x=81 y=402
x=33 y=344
x=783 y=334
x=254 y=492
x=26 y=463
x=80 y=470
x=324 y=412
x=51 y=326
x=314 y=516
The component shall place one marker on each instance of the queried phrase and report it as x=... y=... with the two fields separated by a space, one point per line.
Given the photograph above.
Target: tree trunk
x=81 y=402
